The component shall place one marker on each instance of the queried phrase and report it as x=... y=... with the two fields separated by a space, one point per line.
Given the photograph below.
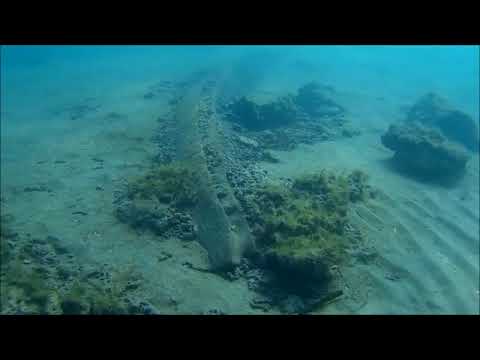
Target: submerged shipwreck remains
x=205 y=184
x=192 y=194
x=199 y=193
x=209 y=189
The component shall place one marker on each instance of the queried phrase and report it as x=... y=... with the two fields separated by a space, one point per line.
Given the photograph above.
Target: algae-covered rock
x=316 y=100
x=300 y=274
x=309 y=116
x=28 y=284
x=85 y=298
x=112 y=293
x=159 y=201
x=300 y=230
x=253 y=116
x=434 y=111
x=164 y=221
x=312 y=99
x=425 y=152
x=173 y=183
x=358 y=186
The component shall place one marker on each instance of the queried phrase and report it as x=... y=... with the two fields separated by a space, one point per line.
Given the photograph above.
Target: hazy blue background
x=435 y=249
x=34 y=76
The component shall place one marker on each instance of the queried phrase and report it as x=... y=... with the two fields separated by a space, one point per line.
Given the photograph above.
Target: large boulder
x=272 y=115
x=300 y=273
x=316 y=100
x=425 y=152
x=300 y=229
x=434 y=111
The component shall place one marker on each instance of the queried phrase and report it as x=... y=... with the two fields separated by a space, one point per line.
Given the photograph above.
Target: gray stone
x=433 y=110
x=424 y=152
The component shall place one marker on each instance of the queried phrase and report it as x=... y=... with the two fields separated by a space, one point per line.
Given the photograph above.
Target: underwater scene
x=243 y=180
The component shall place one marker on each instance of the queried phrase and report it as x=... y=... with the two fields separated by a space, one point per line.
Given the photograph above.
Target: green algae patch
x=27 y=283
x=300 y=229
x=31 y=285
x=87 y=298
x=172 y=184
x=325 y=245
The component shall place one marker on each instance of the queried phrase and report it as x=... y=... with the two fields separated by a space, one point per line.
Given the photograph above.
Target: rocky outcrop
x=316 y=100
x=164 y=221
x=425 y=152
x=313 y=101
x=272 y=115
x=301 y=230
x=434 y=111
x=305 y=118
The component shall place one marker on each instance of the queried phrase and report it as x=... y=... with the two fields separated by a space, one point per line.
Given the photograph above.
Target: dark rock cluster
x=316 y=100
x=425 y=152
x=164 y=221
x=434 y=111
x=313 y=100
x=310 y=116
x=253 y=116
x=304 y=132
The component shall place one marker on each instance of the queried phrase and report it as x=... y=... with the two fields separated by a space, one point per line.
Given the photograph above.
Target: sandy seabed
x=426 y=236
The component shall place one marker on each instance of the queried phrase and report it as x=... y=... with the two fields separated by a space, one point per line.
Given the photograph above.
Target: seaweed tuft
x=171 y=184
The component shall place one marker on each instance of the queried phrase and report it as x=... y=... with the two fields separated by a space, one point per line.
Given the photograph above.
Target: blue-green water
x=430 y=228
x=382 y=70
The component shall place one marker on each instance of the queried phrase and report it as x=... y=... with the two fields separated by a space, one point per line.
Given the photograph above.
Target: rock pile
x=434 y=111
x=309 y=116
x=425 y=152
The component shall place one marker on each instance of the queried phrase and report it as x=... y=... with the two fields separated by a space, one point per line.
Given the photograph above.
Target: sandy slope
x=124 y=144
x=427 y=236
